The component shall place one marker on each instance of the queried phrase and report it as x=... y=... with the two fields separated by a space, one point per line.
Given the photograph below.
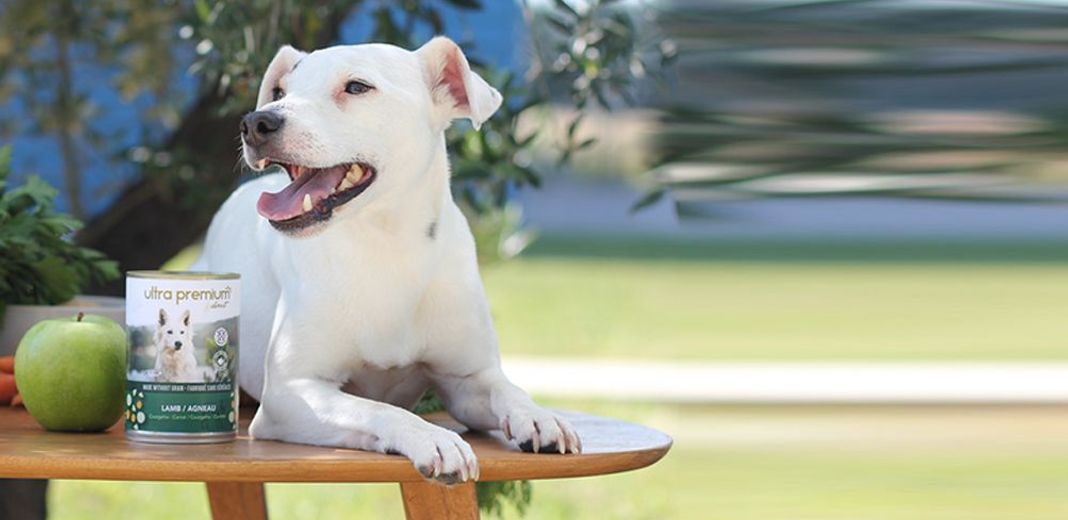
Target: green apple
x=71 y=372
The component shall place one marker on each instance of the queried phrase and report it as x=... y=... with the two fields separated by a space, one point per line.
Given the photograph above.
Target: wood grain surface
x=429 y=501
x=27 y=451
x=238 y=501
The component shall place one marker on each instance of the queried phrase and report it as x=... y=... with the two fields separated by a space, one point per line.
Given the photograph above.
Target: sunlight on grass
x=728 y=310
x=767 y=311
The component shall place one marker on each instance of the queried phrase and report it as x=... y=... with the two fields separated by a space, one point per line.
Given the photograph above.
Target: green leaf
x=526 y=141
x=5 y=165
x=59 y=283
x=573 y=127
x=566 y=28
x=529 y=176
x=647 y=200
x=203 y=10
x=493 y=496
x=38 y=262
x=428 y=403
x=565 y=6
x=466 y=4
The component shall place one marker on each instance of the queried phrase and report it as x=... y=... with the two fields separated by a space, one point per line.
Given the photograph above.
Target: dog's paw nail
x=506 y=429
x=426 y=471
x=542 y=432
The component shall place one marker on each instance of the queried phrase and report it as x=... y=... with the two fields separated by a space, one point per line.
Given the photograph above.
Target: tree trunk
x=66 y=108
x=152 y=221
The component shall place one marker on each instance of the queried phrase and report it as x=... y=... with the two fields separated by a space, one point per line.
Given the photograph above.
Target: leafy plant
x=38 y=264
x=493 y=497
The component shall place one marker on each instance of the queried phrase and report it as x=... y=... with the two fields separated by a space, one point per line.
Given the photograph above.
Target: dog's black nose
x=257 y=127
x=177 y=345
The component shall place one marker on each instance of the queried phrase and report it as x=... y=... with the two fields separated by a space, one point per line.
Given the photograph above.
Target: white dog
x=359 y=279
x=176 y=360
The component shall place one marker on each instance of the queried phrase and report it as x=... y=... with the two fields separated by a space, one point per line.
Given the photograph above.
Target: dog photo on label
x=361 y=285
x=176 y=360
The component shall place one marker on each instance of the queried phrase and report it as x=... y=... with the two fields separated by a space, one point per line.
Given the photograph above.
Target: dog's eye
x=357 y=87
x=170 y=332
x=277 y=94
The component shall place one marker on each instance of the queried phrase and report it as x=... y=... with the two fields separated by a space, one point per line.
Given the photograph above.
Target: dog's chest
x=367 y=292
x=397 y=386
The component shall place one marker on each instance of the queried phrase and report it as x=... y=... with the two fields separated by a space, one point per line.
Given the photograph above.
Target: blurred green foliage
x=38 y=263
x=587 y=55
x=949 y=100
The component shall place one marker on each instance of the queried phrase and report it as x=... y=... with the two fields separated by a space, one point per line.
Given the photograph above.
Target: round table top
x=28 y=451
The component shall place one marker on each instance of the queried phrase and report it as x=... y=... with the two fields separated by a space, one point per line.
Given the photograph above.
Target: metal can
x=181 y=374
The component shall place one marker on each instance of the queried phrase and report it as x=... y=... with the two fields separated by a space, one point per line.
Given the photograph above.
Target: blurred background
x=820 y=243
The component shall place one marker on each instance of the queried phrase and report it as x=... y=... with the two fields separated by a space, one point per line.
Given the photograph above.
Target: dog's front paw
x=540 y=431
x=440 y=455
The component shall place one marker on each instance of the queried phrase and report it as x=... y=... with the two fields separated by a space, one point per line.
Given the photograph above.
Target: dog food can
x=181 y=375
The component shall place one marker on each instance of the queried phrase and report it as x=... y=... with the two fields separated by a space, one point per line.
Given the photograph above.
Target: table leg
x=237 y=500
x=427 y=500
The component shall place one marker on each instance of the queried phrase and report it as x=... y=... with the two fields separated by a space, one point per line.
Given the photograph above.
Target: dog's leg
x=463 y=360
x=310 y=411
x=303 y=403
x=486 y=400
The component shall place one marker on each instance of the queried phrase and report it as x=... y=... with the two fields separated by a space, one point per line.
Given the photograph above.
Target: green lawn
x=732 y=310
x=733 y=463
x=660 y=299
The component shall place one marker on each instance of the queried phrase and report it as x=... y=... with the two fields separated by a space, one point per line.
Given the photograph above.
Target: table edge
x=399 y=470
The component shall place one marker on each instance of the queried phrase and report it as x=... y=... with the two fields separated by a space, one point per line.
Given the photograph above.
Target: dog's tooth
x=307 y=202
x=346 y=183
x=355 y=173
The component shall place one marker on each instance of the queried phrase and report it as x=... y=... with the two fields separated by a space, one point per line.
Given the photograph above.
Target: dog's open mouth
x=313 y=193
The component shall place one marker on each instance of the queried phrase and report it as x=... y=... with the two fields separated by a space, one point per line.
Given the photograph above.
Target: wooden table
x=235 y=472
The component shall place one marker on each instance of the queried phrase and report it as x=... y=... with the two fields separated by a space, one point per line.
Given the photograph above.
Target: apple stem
x=80 y=316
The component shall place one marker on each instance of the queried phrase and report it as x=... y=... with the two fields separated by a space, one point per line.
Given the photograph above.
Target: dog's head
x=174 y=337
x=351 y=123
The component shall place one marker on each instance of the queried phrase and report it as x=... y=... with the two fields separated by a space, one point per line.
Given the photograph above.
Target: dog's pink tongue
x=289 y=202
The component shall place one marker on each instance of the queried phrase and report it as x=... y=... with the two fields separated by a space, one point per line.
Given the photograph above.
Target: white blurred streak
x=847 y=182
x=800 y=382
x=956 y=122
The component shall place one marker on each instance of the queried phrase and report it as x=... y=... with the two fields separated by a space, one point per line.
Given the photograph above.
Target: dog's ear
x=281 y=65
x=456 y=90
x=185 y=318
x=162 y=317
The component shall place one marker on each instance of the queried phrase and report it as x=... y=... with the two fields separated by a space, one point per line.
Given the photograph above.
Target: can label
x=183 y=340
